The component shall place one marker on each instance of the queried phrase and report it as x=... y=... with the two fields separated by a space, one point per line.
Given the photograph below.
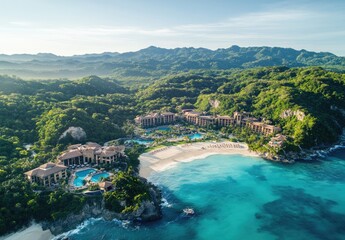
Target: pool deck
x=71 y=186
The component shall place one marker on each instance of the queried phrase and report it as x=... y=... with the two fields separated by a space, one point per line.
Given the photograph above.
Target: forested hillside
x=307 y=103
x=153 y=63
x=47 y=114
x=42 y=111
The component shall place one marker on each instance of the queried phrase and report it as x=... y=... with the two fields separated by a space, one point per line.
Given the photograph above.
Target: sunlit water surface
x=238 y=197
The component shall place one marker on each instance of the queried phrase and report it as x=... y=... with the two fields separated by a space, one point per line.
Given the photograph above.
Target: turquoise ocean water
x=237 y=197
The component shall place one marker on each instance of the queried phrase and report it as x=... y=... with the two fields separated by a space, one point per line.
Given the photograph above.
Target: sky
x=69 y=27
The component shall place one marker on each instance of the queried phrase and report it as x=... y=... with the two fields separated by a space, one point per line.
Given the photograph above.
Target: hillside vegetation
x=43 y=114
x=307 y=103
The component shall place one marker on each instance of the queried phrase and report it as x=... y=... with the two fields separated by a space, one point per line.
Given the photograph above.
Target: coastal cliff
x=95 y=208
x=305 y=154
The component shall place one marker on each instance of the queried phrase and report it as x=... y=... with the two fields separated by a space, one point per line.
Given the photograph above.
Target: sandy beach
x=166 y=157
x=34 y=232
x=155 y=161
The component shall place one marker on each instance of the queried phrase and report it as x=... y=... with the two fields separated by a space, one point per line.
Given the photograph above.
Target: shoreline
x=33 y=232
x=167 y=157
x=154 y=161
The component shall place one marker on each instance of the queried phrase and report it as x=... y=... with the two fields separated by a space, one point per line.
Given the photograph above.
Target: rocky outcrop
x=277 y=158
x=289 y=113
x=214 y=103
x=306 y=155
x=94 y=208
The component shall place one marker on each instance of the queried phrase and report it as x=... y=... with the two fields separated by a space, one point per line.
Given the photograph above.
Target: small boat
x=188 y=211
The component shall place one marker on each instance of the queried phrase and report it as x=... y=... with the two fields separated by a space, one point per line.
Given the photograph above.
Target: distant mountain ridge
x=153 y=62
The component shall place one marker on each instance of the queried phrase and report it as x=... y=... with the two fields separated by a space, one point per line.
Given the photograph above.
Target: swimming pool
x=161 y=128
x=97 y=177
x=80 y=175
x=140 y=141
x=195 y=136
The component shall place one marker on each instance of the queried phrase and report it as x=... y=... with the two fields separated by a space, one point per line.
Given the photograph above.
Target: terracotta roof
x=259 y=124
x=92 y=144
x=225 y=117
x=193 y=113
x=110 y=148
x=168 y=113
x=279 y=137
x=75 y=146
x=250 y=119
x=47 y=165
x=107 y=153
x=70 y=154
x=46 y=170
x=148 y=116
x=90 y=149
x=120 y=148
x=110 y=151
x=207 y=117
x=105 y=184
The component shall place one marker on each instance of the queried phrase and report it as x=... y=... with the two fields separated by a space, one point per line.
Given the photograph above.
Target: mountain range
x=154 y=62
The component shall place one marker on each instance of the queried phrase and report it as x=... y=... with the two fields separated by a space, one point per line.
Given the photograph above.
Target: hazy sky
x=68 y=27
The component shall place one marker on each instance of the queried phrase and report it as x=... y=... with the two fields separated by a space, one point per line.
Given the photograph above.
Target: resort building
x=47 y=174
x=259 y=127
x=91 y=153
x=277 y=141
x=225 y=121
x=192 y=117
x=238 y=119
x=205 y=121
x=155 y=119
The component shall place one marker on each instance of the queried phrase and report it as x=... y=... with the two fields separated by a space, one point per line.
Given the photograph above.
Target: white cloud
x=282 y=27
x=246 y=24
x=262 y=20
